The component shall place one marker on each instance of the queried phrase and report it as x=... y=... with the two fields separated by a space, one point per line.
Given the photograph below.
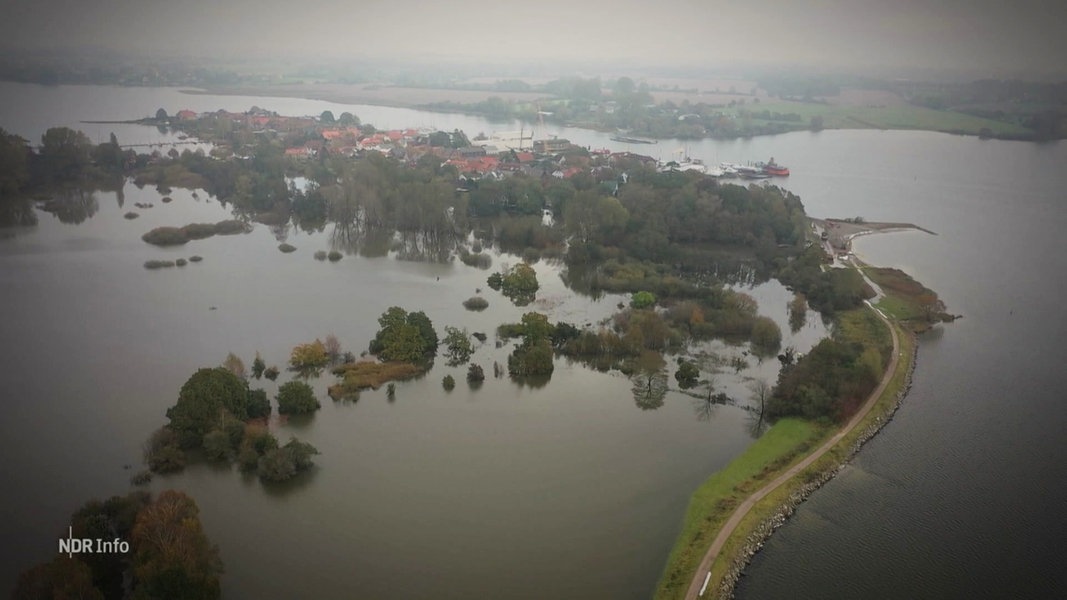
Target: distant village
x=314 y=138
x=492 y=157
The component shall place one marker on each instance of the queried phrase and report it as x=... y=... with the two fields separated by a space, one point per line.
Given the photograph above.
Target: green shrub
x=320 y=255
x=449 y=383
x=166 y=236
x=231 y=227
x=296 y=397
x=195 y=258
x=476 y=303
x=286 y=248
x=162 y=452
x=159 y=264
x=131 y=215
x=181 y=262
x=284 y=463
x=335 y=256
x=198 y=231
x=642 y=299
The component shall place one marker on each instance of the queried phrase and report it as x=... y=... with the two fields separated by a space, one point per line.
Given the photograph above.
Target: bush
x=258 y=404
x=476 y=303
x=181 y=262
x=687 y=374
x=167 y=199
x=217 y=445
x=295 y=398
x=458 y=347
x=475 y=374
x=766 y=336
x=642 y=299
x=165 y=236
x=271 y=373
x=284 y=463
x=131 y=215
x=335 y=256
x=162 y=452
x=257 y=442
x=195 y=258
x=449 y=383
x=286 y=248
x=309 y=359
x=231 y=227
x=159 y=264
x=478 y=260
x=320 y=255
x=198 y=231
x=141 y=478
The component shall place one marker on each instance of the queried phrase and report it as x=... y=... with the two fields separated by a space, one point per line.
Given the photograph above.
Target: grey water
x=569 y=490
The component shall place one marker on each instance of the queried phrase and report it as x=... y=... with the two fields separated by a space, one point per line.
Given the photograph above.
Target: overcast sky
x=981 y=36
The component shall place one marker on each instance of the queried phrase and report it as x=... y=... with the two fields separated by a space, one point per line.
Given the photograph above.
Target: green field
x=903 y=116
x=713 y=502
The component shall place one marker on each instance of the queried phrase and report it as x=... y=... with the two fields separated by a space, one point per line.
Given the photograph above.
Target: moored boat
x=773 y=168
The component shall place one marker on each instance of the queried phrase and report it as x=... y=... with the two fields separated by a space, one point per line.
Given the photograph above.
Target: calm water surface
x=566 y=491
x=569 y=490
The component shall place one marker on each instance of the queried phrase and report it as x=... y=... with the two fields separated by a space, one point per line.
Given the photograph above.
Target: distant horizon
x=976 y=38
x=556 y=68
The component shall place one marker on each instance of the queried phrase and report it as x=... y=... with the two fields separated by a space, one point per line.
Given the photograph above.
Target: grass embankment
x=903 y=116
x=716 y=499
x=781 y=447
x=906 y=300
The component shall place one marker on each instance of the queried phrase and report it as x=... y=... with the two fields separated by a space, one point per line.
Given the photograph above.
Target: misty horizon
x=975 y=40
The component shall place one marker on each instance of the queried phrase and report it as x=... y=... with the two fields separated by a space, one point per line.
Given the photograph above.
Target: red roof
x=186 y=115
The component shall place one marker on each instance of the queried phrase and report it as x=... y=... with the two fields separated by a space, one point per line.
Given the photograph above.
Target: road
x=735 y=519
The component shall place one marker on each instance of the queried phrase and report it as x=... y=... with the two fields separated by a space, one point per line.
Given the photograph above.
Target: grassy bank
x=785 y=444
x=712 y=503
x=902 y=116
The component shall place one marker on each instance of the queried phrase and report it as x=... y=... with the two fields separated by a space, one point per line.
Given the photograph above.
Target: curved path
x=702 y=571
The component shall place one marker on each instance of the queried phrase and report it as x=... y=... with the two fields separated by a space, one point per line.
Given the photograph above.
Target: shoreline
x=755 y=540
x=763 y=511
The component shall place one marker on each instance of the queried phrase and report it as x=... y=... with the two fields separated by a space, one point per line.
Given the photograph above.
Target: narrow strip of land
x=731 y=524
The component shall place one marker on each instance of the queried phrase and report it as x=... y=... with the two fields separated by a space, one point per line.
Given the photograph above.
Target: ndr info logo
x=72 y=545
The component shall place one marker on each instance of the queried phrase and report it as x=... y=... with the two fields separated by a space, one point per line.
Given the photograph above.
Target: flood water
x=565 y=491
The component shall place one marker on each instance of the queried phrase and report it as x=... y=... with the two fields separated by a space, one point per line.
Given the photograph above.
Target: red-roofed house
x=186 y=115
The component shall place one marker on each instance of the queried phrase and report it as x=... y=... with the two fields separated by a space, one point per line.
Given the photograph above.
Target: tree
x=258 y=404
x=235 y=365
x=296 y=397
x=286 y=462
x=348 y=118
x=163 y=453
x=161 y=115
x=649 y=380
x=766 y=336
x=458 y=346
x=404 y=337
x=258 y=366
x=327 y=117
x=14 y=173
x=309 y=359
x=687 y=373
x=65 y=153
x=173 y=558
x=61 y=578
x=475 y=373
x=448 y=383
x=203 y=397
